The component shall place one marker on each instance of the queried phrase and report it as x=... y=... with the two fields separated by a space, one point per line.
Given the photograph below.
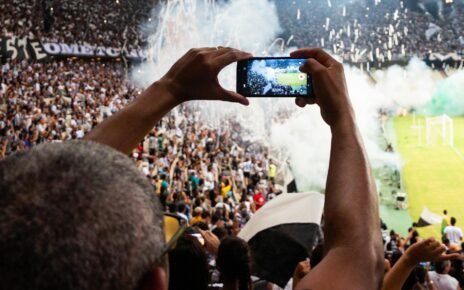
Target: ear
x=156 y=279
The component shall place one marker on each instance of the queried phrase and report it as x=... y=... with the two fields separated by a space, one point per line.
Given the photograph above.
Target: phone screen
x=273 y=77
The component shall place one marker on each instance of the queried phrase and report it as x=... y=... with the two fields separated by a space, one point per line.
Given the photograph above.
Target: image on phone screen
x=258 y=77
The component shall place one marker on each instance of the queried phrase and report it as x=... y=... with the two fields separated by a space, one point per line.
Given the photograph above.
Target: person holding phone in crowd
x=78 y=215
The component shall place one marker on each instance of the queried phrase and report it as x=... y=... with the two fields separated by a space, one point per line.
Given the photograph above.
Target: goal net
x=439 y=130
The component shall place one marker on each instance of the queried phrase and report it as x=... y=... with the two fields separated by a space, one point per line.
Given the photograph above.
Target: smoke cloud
x=184 y=24
x=448 y=96
x=302 y=138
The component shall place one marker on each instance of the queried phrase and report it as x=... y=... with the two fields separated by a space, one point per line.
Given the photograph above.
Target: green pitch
x=290 y=79
x=433 y=175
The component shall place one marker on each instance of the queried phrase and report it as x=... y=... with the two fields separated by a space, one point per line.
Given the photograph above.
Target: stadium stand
x=194 y=169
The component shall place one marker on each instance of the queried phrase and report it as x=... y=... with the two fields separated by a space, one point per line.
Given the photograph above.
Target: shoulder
x=432 y=274
x=453 y=281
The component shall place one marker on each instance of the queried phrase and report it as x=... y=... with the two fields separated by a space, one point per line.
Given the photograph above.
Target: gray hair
x=77 y=215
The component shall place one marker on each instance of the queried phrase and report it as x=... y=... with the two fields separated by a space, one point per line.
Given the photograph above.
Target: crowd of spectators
x=210 y=178
x=199 y=171
x=382 y=30
x=57 y=101
x=429 y=274
x=190 y=165
x=108 y=23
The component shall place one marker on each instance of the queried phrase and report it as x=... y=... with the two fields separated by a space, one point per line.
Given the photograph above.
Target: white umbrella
x=283 y=233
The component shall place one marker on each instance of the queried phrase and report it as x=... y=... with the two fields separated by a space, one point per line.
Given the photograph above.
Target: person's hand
x=301 y=270
x=411 y=233
x=329 y=85
x=428 y=250
x=211 y=241
x=195 y=75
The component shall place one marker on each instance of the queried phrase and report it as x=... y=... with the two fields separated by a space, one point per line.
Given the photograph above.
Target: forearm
x=399 y=273
x=125 y=129
x=351 y=206
x=396 y=277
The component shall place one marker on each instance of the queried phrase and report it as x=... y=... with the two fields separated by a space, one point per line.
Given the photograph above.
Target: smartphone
x=273 y=77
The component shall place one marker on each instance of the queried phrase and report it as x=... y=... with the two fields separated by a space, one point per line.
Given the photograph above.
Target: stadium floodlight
x=445 y=127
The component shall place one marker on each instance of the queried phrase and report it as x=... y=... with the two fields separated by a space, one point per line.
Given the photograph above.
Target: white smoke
x=185 y=24
x=260 y=68
x=303 y=138
x=307 y=138
x=410 y=86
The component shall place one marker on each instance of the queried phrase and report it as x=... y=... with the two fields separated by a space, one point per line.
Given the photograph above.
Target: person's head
x=202 y=226
x=181 y=207
x=78 y=215
x=233 y=261
x=395 y=256
x=188 y=265
x=206 y=217
x=220 y=233
x=445 y=212
x=198 y=210
x=446 y=241
x=442 y=267
x=453 y=221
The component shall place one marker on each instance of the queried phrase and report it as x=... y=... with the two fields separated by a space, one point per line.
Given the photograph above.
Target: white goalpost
x=439 y=128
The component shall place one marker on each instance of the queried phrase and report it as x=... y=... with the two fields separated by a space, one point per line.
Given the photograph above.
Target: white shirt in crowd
x=247 y=166
x=443 y=281
x=454 y=234
x=152 y=142
x=209 y=181
x=80 y=134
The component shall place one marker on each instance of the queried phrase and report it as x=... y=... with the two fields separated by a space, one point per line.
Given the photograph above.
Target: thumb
x=301 y=102
x=233 y=97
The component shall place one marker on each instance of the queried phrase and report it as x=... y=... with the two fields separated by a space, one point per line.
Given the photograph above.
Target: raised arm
x=352 y=239
x=423 y=251
x=192 y=77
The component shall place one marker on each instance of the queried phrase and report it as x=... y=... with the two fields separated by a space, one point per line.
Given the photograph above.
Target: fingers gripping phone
x=273 y=77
